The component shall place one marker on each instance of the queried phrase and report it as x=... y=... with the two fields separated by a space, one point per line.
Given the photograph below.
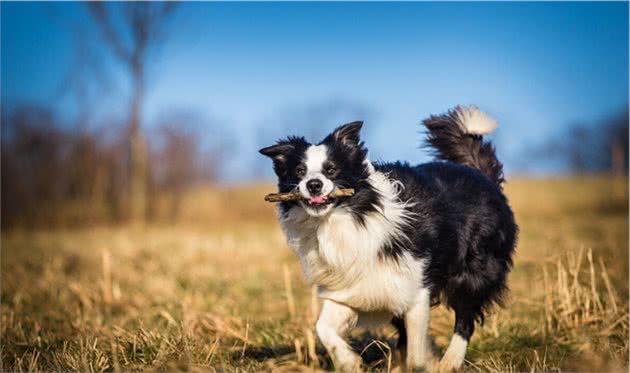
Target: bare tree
x=141 y=28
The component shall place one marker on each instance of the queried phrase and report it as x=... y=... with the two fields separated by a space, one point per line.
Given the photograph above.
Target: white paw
x=453 y=358
x=419 y=362
x=349 y=365
x=450 y=362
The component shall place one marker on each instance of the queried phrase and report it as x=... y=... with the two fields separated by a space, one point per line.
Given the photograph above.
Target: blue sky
x=252 y=72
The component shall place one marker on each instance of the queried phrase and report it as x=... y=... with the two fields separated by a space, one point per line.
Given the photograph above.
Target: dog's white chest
x=341 y=257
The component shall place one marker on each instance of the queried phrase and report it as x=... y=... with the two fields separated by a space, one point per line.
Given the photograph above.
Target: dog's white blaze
x=454 y=356
x=475 y=121
x=341 y=256
x=314 y=159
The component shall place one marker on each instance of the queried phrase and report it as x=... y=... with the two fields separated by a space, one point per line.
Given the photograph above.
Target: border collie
x=409 y=238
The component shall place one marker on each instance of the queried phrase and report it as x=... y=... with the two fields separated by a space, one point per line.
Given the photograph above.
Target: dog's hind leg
x=335 y=321
x=417 y=328
x=464 y=327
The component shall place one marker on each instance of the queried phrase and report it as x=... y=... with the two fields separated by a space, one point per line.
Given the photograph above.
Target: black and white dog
x=410 y=236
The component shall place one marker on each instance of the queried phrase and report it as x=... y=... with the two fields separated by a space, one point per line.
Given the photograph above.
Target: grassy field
x=220 y=291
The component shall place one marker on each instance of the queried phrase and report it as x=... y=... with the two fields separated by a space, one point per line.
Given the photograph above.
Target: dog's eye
x=300 y=171
x=330 y=170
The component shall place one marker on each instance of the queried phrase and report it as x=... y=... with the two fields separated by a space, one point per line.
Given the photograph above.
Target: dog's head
x=315 y=170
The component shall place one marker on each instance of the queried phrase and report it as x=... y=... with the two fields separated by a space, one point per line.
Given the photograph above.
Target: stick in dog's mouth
x=296 y=196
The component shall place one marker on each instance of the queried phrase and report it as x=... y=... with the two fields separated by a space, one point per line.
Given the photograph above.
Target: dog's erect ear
x=348 y=134
x=277 y=152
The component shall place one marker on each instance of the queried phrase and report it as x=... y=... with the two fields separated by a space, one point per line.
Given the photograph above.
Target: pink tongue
x=317 y=199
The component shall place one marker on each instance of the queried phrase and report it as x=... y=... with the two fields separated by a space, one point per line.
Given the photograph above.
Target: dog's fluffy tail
x=457 y=136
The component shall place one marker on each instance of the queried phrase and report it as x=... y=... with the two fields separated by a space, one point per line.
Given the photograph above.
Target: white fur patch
x=454 y=356
x=342 y=256
x=314 y=158
x=475 y=121
x=417 y=326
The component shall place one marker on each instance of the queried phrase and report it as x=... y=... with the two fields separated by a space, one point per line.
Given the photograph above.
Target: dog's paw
x=449 y=363
x=349 y=365
x=419 y=362
x=424 y=366
x=418 y=369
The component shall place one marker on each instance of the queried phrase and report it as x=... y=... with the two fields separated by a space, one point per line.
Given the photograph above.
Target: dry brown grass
x=219 y=290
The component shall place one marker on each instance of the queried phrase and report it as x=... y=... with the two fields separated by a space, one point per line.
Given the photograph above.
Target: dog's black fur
x=465 y=229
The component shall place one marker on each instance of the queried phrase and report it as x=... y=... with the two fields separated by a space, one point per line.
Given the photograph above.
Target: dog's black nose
x=314 y=186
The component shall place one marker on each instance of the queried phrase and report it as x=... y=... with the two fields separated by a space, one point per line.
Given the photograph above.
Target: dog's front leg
x=417 y=326
x=335 y=321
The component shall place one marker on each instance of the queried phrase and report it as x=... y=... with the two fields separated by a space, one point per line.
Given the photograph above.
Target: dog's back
x=464 y=228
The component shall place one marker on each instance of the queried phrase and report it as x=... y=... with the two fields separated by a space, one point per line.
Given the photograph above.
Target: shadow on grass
x=375 y=351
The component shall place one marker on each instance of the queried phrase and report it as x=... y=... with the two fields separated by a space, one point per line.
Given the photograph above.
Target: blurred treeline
x=56 y=175
x=600 y=147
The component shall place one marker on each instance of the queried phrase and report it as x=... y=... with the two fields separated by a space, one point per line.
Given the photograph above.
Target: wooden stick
x=295 y=196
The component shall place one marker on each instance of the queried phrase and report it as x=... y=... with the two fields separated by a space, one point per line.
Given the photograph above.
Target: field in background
x=218 y=289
